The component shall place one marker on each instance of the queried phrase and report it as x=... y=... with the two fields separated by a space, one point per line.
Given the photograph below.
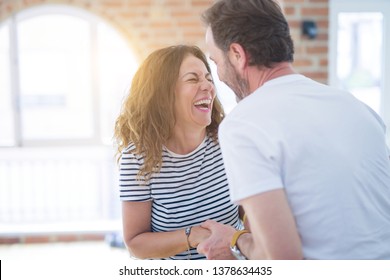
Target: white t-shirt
x=328 y=151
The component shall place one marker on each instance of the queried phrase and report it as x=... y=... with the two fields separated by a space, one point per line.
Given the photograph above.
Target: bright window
x=68 y=76
x=359 y=57
x=63 y=76
x=55 y=78
x=7 y=125
x=359 y=53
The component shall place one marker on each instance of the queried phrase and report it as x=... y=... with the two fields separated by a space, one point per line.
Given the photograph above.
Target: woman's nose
x=207 y=85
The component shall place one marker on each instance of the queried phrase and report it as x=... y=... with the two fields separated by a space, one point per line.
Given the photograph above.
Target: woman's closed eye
x=195 y=78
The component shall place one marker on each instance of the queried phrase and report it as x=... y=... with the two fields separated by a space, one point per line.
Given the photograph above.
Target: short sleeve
x=252 y=159
x=131 y=189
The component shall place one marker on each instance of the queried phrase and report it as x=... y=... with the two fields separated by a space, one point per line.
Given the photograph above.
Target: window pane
x=117 y=66
x=6 y=114
x=55 y=78
x=359 y=53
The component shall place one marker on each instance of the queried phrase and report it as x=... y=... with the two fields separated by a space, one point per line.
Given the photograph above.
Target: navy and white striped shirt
x=188 y=190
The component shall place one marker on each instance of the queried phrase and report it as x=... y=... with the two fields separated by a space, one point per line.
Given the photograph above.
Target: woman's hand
x=197 y=235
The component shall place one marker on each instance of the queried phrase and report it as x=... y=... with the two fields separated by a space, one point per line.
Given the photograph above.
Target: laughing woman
x=172 y=176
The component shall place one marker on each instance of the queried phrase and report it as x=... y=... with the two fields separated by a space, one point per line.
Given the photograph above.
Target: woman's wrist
x=187 y=232
x=197 y=235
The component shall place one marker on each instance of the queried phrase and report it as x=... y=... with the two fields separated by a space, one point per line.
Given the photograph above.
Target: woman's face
x=225 y=69
x=194 y=94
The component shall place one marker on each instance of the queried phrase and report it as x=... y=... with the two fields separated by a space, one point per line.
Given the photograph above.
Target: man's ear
x=238 y=56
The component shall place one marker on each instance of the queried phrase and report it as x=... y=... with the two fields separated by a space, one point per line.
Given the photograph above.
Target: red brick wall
x=311 y=55
x=150 y=24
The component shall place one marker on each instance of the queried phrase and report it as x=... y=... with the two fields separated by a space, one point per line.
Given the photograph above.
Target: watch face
x=237 y=253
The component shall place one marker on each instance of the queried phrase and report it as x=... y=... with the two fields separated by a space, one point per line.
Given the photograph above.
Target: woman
x=172 y=176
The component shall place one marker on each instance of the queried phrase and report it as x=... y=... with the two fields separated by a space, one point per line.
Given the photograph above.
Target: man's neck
x=258 y=77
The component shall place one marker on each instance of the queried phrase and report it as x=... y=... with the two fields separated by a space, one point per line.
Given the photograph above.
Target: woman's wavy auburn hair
x=147 y=114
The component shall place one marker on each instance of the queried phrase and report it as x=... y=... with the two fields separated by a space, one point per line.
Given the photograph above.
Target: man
x=308 y=163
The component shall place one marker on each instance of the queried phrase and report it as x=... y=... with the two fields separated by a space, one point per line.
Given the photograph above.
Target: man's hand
x=217 y=246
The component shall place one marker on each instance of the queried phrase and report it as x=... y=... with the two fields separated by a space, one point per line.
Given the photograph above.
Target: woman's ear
x=238 y=56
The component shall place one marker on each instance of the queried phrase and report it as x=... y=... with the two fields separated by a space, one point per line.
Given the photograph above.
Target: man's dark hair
x=259 y=26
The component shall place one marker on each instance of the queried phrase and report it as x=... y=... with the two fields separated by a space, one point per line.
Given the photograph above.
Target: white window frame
x=26 y=160
x=12 y=23
x=356 y=6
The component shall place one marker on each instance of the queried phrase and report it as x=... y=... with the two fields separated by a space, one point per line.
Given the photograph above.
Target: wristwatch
x=233 y=245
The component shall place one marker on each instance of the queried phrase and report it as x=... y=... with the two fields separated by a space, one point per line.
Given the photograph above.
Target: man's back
x=328 y=151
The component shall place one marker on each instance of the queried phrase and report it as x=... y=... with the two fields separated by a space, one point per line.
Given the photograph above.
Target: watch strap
x=236 y=235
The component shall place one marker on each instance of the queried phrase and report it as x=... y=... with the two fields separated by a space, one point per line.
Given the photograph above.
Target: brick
x=323 y=23
x=174 y=3
x=32 y=2
x=183 y=14
x=161 y=25
x=294 y=23
x=324 y=62
x=322 y=37
x=322 y=11
x=291 y=10
x=9 y=240
x=112 y=3
x=302 y=62
x=67 y=238
x=92 y=237
x=201 y=3
x=316 y=75
x=319 y=1
x=286 y=2
x=133 y=3
x=37 y=239
x=317 y=49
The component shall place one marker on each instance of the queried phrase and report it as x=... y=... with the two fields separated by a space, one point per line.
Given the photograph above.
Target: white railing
x=58 y=189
